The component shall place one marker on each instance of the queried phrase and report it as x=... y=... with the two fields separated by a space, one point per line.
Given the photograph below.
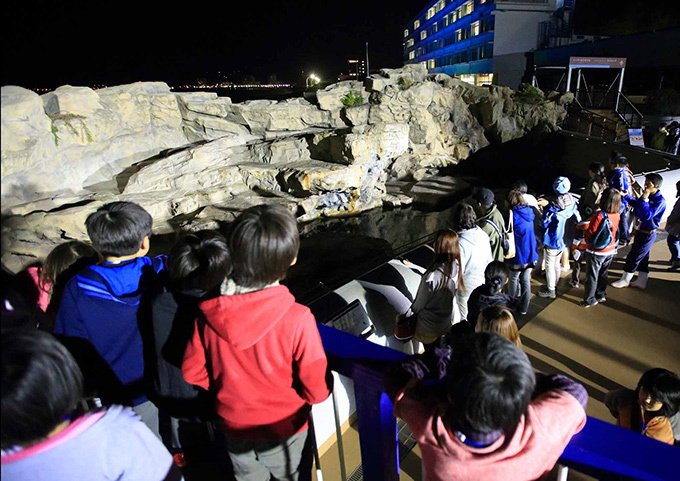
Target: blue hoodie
x=555 y=217
x=100 y=305
x=525 y=239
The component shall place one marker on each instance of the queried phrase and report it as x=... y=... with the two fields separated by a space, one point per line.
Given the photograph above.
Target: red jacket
x=595 y=221
x=267 y=363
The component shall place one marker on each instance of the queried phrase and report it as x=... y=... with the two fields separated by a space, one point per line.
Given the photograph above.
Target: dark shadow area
x=547 y=368
x=575 y=366
x=604 y=350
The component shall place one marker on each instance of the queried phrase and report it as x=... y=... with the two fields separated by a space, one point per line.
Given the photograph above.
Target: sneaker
x=573 y=284
x=545 y=292
x=602 y=299
x=586 y=305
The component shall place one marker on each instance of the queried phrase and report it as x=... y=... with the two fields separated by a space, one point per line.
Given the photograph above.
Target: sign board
x=597 y=62
x=635 y=137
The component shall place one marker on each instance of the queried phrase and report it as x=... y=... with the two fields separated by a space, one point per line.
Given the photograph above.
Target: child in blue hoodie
x=555 y=216
x=100 y=303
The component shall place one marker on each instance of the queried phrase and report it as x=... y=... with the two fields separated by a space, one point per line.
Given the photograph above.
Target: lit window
x=423 y=35
x=424 y=64
x=434 y=27
x=430 y=63
x=468 y=79
x=446 y=20
x=458 y=35
x=454 y=16
x=416 y=25
x=440 y=4
x=411 y=55
x=474 y=28
x=410 y=42
x=485 y=78
x=406 y=33
x=468 y=7
x=430 y=13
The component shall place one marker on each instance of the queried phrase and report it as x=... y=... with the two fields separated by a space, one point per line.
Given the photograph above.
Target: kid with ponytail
x=490 y=293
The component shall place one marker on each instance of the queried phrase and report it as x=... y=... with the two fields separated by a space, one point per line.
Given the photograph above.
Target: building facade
x=479 y=41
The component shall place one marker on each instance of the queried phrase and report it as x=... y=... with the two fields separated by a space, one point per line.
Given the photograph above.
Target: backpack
x=507 y=237
x=603 y=234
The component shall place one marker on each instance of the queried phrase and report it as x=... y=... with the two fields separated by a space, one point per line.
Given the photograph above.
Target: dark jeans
x=638 y=257
x=597 y=268
x=519 y=285
x=674 y=246
x=624 y=228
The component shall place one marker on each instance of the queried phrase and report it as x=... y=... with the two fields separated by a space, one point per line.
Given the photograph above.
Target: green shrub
x=529 y=93
x=405 y=83
x=67 y=118
x=352 y=99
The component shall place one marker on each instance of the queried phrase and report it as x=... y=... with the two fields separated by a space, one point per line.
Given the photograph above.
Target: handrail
x=600 y=449
x=635 y=120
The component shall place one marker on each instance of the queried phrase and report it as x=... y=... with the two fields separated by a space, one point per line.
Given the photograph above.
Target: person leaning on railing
x=488 y=416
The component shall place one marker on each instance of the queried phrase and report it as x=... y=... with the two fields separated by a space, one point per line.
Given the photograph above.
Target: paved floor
x=604 y=347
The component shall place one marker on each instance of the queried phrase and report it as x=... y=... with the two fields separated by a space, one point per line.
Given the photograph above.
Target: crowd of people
x=112 y=360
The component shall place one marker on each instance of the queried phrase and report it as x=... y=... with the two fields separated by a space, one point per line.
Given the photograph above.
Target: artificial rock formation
x=195 y=159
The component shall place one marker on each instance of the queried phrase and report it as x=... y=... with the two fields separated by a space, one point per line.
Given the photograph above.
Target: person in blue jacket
x=649 y=209
x=619 y=179
x=526 y=253
x=555 y=216
x=100 y=303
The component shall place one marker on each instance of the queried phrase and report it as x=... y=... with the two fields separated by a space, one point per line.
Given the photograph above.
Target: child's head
x=64 y=256
x=199 y=260
x=610 y=201
x=653 y=181
x=496 y=275
x=596 y=168
x=263 y=244
x=520 y=185
x=561 y=185
x=619 y=162
x=41 y=385
x=464 y=217
x=120 y=229
x=499 y=320
x=490 y=383
x=516 y=199
x=659 y=390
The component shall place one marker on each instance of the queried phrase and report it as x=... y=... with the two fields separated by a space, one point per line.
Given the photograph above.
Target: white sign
x=635 y=137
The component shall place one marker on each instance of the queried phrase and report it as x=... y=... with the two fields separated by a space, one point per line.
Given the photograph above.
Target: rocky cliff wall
x=195 y=159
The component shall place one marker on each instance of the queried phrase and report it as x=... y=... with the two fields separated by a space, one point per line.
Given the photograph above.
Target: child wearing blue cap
x=555 y=216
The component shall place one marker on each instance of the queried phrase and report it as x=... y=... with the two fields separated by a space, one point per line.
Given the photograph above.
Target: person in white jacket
x=475 y=253
x=673 y=229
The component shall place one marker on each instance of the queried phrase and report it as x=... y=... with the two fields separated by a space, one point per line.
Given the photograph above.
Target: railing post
x=377 y=428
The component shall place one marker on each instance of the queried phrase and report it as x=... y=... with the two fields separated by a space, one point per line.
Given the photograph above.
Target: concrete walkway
x=605 y=347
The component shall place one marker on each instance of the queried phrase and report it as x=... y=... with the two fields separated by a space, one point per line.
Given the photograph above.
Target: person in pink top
x=489 y=417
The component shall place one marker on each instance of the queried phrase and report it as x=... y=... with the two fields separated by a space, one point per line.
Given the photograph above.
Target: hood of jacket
x=123 y=278
x=493 y=212
x=523 y=213
x=243 y=319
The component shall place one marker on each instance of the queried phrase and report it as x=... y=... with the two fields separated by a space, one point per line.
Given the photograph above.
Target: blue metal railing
x=602 y=450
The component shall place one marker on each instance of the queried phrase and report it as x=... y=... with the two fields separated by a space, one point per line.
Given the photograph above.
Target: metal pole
x=338 y=429
x=569 y=79
x=618 y=95
x=368 y=68
x=578 y=82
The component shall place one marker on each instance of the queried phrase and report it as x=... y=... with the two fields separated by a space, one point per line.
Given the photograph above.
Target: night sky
x=48 y=43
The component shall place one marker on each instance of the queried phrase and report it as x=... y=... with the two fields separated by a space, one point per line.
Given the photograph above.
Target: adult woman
x=435 y=304
x=526 y=254
x=475 y=253
x=598 y=257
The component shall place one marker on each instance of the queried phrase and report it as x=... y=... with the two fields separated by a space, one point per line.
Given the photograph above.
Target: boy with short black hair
x=619 y=179
x=265 y=357
x=649 y=210
x=490 y=416
x=100 y=303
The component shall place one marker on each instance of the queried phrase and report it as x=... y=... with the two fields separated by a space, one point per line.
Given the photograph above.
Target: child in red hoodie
x=260 y=352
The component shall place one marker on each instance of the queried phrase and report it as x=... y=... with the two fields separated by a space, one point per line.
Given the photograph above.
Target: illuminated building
x=479 y=41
